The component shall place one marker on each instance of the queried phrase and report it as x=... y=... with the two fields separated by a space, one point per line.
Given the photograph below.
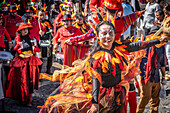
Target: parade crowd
x=107 y=52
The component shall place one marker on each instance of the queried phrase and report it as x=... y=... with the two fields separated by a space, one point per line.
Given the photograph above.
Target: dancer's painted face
x=24 y=31
x=106 y=36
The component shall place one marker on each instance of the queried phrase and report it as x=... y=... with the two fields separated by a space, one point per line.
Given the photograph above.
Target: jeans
x=167 y=49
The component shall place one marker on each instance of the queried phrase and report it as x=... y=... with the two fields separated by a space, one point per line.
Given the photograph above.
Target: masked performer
x=24 y=73
x=107 y=65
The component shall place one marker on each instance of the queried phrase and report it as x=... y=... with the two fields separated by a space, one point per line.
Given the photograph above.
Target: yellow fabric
x=26 y=54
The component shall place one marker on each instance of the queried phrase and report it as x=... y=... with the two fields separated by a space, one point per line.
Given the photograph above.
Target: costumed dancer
x=65 y=8
x=110 y=13
x=67 y=32
x=101 y=79
x=82 y=24
x=11 y=20
x=4 y=32
x=106 y=3
x=46 y=39
x=24 y=73
x=37 y=29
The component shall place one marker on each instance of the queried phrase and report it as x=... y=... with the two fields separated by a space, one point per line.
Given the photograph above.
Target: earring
x=98 y=41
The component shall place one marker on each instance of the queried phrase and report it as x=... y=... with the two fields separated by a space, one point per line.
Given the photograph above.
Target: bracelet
x=136 y=84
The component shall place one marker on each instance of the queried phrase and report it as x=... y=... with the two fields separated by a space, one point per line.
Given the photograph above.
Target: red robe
x=10 y=24
x=3 y=32
x=66 y=33
x=23 y=76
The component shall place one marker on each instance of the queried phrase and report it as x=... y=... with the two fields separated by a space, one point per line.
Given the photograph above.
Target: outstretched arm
x=80 y=38
x=135 y=46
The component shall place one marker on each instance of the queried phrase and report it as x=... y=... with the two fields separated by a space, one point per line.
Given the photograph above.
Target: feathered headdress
x=4 y=6
x=44 y=8
x=64 y=5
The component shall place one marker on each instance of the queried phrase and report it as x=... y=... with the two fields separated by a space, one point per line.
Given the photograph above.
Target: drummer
x=24 y=73
x=3 y=32
x=45 y=40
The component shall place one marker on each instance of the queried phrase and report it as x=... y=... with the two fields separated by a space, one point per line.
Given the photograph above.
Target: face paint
x=108 y=31
x=106 y=36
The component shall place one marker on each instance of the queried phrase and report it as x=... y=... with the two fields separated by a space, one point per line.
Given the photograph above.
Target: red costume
x=10 y=24
x=100 y=3
x=121 y=23
x=24 y=73
x=65 y=33
x=3 y=32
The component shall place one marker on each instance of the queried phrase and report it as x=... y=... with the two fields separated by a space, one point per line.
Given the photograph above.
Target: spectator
x=53 y=13
x=150 y=15
x=161 y=3
x=150 y=77
x=160 y=17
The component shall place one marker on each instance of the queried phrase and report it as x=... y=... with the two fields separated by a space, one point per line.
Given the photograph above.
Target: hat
x=29 y=9
x=154 y=29
x=23 y=26
x=3 y=7
x=67 y=17
x=12 y=8
x=111 y=4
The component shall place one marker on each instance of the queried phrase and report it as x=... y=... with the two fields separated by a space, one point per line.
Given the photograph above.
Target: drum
x=1 y=86
x=45 y=48
x=5 y=57
x=45 y=43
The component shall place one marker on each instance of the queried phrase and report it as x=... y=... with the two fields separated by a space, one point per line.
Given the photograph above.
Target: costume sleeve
x=56 y=37
x=92 y=4
x=95 y=90
x=129 y=19
x=83 y=37
x=57 y=20
x=17 y=46
x=135 y=46
x=7 y=35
